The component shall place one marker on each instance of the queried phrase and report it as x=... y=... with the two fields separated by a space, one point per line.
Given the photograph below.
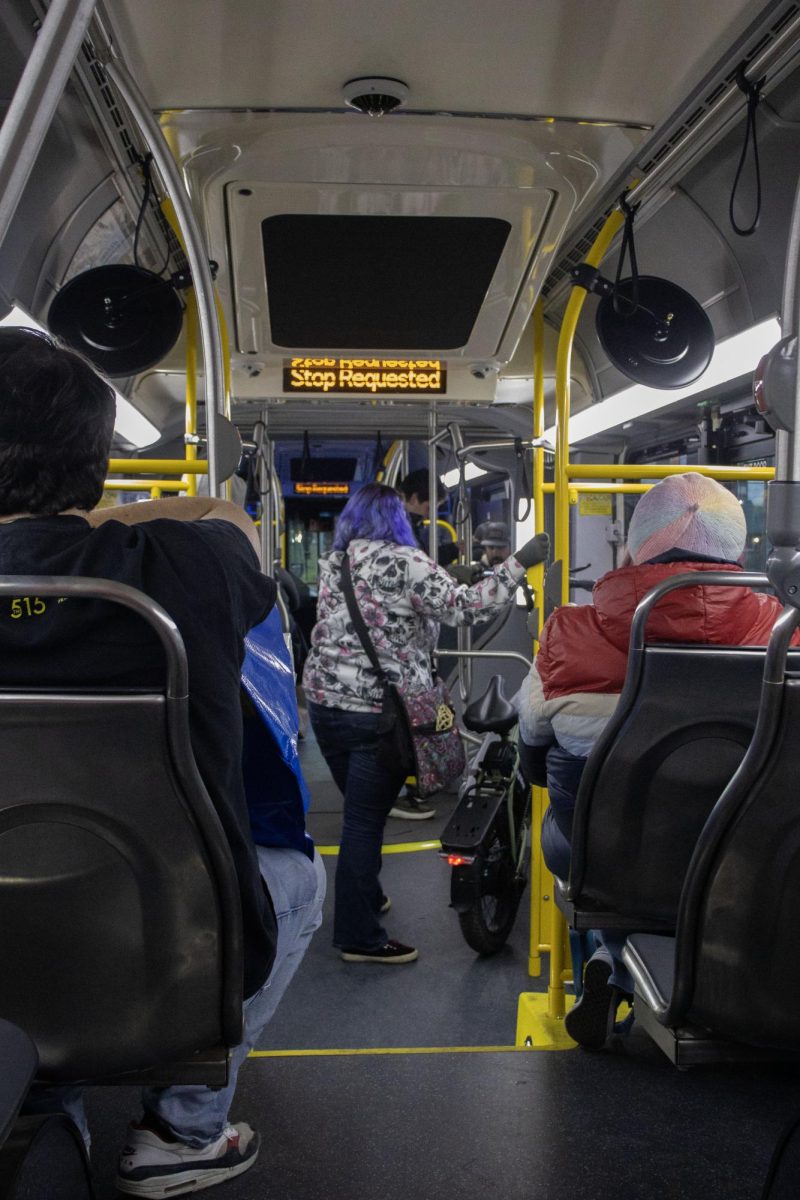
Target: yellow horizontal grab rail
x=651 y=471
x=621 y=488
x=145 y=485
x=444 y=525
x=157 y=466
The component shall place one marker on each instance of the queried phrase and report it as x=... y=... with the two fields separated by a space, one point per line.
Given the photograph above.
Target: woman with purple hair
x=403 y=596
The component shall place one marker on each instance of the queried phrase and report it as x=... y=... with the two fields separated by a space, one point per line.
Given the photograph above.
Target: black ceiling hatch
x=378 y=282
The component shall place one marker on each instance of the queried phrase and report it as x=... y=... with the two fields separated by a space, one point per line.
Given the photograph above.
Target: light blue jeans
x=197 y=1114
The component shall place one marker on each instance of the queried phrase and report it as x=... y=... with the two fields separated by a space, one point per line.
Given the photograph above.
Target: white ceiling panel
x=623 y=60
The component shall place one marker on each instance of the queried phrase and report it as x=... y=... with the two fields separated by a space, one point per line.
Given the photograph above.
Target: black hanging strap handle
x=627 y=305
x=752 y=91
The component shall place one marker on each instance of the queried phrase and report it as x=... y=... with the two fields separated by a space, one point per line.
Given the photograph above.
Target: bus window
x=309 y=537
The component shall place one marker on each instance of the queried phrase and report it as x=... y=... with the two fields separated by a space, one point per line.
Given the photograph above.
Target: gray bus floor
x=446 y=1122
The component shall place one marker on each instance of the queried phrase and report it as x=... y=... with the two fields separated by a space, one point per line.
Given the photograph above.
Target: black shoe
x=385 y=904
x=409 y=808
x=590 y=1022
x=391 y=952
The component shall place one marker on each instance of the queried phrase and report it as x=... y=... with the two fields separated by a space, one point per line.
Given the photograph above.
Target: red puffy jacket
x=585 y=648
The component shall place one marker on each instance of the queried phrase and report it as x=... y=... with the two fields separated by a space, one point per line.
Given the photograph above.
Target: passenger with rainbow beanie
x=685 y=523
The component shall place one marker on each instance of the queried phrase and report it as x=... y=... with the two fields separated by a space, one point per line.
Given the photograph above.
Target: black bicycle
x=487 y=840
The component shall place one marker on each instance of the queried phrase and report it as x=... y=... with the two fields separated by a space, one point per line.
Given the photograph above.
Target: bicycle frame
x=492 y=782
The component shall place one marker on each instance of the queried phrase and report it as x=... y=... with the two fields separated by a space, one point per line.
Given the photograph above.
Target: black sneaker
x=384 y=905
x=590 y=1022
x=409 y=808
x=150 y=1166
x=391 y=952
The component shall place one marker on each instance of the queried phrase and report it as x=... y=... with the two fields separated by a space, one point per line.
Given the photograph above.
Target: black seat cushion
x=492 y=712
x=655 y=958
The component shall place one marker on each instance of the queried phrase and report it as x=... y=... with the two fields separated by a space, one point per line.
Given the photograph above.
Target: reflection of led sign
x=367 y=376
x=322 y=489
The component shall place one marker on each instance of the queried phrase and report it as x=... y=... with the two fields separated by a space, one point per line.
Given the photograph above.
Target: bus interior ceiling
x=425 y=235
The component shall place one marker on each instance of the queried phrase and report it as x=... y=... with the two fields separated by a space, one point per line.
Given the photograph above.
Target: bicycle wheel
x=488 y=922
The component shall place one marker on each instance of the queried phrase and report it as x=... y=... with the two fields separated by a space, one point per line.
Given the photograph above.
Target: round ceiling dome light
x=375 y=95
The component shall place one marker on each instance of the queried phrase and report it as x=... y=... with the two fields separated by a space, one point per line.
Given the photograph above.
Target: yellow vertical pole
x=613 y=223
x=226 y=373
x=192 y=344
x=191 y=386
x=539 y=872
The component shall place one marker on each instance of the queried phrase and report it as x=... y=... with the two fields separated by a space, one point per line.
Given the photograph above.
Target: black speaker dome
x=122 y=318
x=665 y=340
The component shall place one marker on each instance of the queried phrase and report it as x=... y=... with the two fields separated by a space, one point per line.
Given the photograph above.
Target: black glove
x=465 y=573
x=447 y=553
x=533 y=552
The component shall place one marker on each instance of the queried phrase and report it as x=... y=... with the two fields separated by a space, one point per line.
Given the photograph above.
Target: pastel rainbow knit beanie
x=687 y=512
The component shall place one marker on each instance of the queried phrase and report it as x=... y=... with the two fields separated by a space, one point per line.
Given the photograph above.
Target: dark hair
x=56 y=424
x=376 y=513
x=417 y=483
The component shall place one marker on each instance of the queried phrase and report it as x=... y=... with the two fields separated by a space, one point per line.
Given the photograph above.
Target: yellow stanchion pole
x=191 y=386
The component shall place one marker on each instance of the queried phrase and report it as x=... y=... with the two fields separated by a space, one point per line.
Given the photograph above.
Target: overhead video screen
x=378 y=282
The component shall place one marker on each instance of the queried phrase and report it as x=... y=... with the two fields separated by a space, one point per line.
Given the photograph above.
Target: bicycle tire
x=486 y=924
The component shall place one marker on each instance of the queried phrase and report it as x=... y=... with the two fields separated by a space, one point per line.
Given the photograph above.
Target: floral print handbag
x=421 y=730
x=439 y=756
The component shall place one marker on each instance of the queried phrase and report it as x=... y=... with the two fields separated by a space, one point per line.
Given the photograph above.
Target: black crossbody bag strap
x=359 y=624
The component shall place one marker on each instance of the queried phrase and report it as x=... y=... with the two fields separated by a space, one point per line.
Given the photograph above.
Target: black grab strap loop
x=626 y=306
x=523 y=492
x=753 y=93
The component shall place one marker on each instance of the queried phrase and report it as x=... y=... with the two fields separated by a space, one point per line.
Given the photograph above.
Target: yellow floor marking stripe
x=393 y=1050
x=394 y=848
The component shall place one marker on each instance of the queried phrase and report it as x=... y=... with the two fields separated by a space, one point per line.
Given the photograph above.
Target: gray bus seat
x=783 y=1177
x=44 y=1158
x=19 y=1060
x=725 y=986
x=682 y=725
x=121 y=911
x=39 y=1156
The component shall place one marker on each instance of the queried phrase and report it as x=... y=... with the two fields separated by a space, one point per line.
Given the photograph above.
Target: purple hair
x=376 y=512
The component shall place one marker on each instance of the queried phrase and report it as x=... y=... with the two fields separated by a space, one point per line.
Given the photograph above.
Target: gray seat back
x=121 y=931
x=737 y=970
x=681 y=728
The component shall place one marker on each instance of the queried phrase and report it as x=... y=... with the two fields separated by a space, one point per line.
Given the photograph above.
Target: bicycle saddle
x=492 y=712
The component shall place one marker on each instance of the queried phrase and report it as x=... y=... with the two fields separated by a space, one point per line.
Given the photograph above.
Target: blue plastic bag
x=277 y=795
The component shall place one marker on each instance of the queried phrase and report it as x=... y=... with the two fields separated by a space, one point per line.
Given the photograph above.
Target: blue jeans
x=197 y=1114
x=350 y=743
x=564 y=771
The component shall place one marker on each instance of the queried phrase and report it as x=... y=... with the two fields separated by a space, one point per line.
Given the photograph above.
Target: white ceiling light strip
x=129 y=423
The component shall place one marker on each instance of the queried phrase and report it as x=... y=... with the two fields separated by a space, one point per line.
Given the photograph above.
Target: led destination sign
x=365 y=376
x=322 y=489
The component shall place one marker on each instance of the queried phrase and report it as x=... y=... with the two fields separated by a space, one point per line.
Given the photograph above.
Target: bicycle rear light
x=457 y=860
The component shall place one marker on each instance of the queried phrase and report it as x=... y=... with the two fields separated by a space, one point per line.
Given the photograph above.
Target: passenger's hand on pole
x=534 y=551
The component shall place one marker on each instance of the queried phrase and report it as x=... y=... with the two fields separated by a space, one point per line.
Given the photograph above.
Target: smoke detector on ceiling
x=375 y=95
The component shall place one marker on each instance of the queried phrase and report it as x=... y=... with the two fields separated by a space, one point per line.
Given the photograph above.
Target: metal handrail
x=36 y=99
x=485 y=654
x=87 y=588
x=196 y=254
